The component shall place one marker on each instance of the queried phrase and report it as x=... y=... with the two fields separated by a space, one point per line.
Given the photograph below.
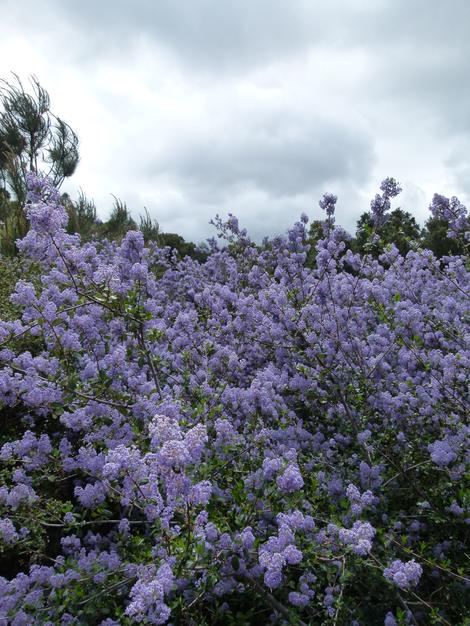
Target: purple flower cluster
x=381 y=203
x=291 y=479
x=186 y=438
x=358 y=501
x=359 y=537
x=8 y=532
x=148 y=594
x=404 y=575
x=442 y=452
x=455 y=213
x=280 y=550
x=328 y=203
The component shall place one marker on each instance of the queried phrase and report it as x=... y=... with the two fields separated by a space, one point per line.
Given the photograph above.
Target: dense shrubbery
x=83 y=219
x=241 y=441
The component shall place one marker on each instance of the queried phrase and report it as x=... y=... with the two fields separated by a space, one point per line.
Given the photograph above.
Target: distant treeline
x=33 y=139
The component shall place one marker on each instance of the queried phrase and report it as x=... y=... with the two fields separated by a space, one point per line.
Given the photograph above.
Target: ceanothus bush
x=244 y=440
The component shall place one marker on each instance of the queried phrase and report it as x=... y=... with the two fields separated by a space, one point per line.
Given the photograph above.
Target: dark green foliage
x=401 y=228
x=315 y=233
x=435 y=238
x=119 y=222
x=13 y=223
x=10 y=273
x=82 y=216
x=149 y=227
x=182 y=247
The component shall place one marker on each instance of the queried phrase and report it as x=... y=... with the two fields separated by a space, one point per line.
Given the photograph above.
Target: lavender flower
x=381 y=204
x=298 y=599
x=209 y=419
x=327 y=203
x=404 y=575
x=8 y=532
x=290 y=480
x=442 y=453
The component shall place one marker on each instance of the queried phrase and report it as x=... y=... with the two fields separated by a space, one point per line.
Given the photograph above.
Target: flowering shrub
x=236 y=442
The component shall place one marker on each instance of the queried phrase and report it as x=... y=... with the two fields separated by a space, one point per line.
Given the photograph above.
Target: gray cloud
x=206 y=33
x=281 y=157
x=255 y=106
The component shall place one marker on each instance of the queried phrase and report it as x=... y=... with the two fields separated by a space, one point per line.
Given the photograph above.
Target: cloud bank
x=254 y=107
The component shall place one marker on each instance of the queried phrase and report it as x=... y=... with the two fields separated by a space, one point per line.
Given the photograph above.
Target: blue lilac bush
x=240 y=441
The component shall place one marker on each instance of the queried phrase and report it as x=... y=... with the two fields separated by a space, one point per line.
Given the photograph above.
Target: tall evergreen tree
x=400 y=228
x=32 y=139
x=315 y=232
x=82 y=215
x=149 y=227
x=119 y=222
x=435 y=238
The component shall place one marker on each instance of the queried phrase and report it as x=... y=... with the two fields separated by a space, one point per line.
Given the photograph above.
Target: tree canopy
x=32 y=138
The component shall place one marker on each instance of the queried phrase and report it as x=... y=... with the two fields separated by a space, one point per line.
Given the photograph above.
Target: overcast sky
x=255 y=107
